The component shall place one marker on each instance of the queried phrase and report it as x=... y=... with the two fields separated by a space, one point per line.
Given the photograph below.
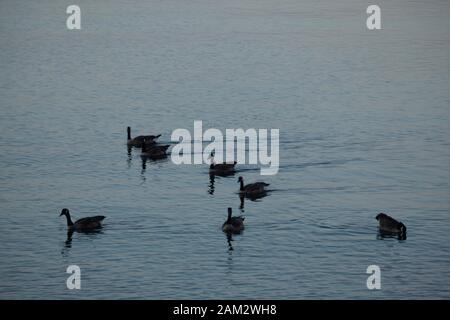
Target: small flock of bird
x=234 y=224
x=149 y=147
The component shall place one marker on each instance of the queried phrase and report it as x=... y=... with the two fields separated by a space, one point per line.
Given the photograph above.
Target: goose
x=153 y=151
x=252 y=188
x=140 y=140
x=87 y=223
x=233 y=224
x=389 y=224
x=220 y=168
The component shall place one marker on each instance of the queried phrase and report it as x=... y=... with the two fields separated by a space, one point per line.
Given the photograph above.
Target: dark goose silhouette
x=221 y=168
x=233 y=224
x=252 y=189
x=140 y=140
x=83 y=224
x=154 y=151
x=388 y=224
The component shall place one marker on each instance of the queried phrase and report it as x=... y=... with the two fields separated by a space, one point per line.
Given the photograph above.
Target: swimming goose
x=233 y=224
x=220 y=168
x=252 y=188
x=389 y=224
x=139 y=140
x=87 y=223
x=153 y=151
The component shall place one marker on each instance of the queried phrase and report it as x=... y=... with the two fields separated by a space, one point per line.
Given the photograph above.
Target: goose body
x=139 y=141
x=252 y=188
x=154 y=151
x=221 y=168
x=389 y=224
x=87 y=223
x=233 y=224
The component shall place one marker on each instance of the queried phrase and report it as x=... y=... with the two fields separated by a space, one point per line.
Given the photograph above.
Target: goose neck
x=69 y=220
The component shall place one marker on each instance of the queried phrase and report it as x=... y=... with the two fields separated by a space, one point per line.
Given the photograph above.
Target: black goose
x=390 y=225
x=221 y=168
x=252 y=189
x=154 y=151
x=87 y=223
x=140 y=140
x=233 y=224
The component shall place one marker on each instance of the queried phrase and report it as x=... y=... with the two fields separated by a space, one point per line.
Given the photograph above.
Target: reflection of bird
x=252 y=189
x=129 y=156
x=82 y=224
x=144 y=164
x=241 y=206
x=233 y=224
x=154 y=151
x=389 y=224
x=140 y=140
x=220 y=168
x=229 y=239
x=68 y=242
x=212 y=178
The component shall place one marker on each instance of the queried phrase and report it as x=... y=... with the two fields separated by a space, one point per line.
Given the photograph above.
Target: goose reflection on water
x=154 y=158
x=148 y=159
x=255 y=198
x=68 y=242
x=382 y=235
x=211 y=188
x=129 y=156
x=230 y=236
x=90 y=233
x=212 y=179
x=229 y=239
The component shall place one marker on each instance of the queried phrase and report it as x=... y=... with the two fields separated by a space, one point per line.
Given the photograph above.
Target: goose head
x=64 y=212
x=380 y=215
x=129 y=133
x=240 y=180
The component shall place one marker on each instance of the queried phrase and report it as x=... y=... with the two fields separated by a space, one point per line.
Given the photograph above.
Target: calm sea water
x=364 y=128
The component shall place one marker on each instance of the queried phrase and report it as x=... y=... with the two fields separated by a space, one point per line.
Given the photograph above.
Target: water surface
x=364 y=128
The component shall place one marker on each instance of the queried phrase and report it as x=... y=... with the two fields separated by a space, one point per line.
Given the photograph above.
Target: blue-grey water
x=364 y=128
